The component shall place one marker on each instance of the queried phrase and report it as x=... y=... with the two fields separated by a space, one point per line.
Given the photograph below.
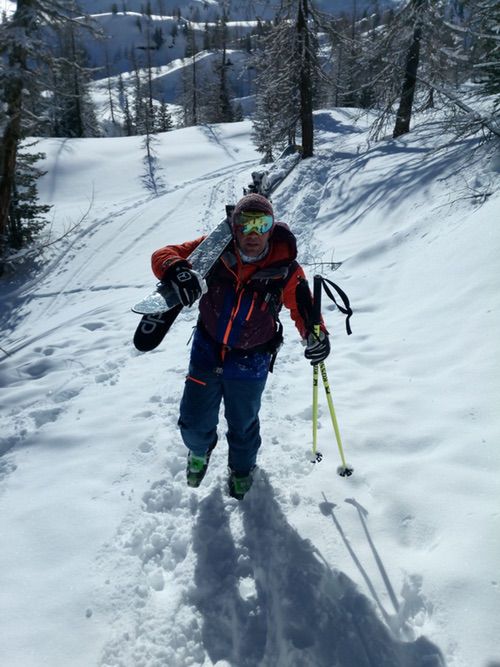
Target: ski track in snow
x=196 y=578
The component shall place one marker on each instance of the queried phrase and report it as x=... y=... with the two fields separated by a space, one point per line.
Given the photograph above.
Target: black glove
x=317 y=347
x=187 y=283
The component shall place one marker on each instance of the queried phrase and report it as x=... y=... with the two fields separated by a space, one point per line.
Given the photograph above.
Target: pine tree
x=190 y=92
x=164 y=118
x=150 y=111
x=218 y=107
x=27 y=216
x=287 y=73
x=123 y=99
x=73 y=109
x=399 y=58
x=109 y=86
x=139 y=111
x=21 y=49
x=221 y=107
x=277 y=102
x=483 y=29
x=266 y=129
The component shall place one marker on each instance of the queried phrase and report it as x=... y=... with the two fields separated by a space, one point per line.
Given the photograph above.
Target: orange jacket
x=282 y=252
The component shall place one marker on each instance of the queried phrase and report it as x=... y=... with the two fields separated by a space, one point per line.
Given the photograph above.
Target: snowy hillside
x=109 y=560
x=129 y=35
x=208 y=10
x=130 y=39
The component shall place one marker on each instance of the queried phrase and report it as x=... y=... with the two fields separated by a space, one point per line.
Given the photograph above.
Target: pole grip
x=318 y=283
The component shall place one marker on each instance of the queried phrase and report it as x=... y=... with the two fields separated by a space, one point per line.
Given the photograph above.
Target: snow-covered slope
x=212 y=9
x=108 y=559
x=128 y=36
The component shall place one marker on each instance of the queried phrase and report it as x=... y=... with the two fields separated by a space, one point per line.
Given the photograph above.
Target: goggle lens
x=249 y=221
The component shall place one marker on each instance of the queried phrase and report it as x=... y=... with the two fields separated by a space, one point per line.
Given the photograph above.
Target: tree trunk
x=403 y=115
x=305 y=81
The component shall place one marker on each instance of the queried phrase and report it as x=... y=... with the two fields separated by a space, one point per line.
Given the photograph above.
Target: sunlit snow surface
x=107 y=558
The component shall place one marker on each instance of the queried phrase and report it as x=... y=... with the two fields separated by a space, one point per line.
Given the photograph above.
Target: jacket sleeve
x=290 y=299
x=165 y=257
x=290 y=302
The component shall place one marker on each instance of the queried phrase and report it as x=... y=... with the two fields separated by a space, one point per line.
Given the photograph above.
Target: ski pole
x=344 y=470
x=316 y=456
x=316 y=318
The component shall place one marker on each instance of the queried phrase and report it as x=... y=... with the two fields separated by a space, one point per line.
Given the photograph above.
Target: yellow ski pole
x=344 y=470
x=316 y=456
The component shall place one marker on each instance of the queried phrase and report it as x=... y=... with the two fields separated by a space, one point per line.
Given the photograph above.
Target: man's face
x=252 y=230
x=252 y=244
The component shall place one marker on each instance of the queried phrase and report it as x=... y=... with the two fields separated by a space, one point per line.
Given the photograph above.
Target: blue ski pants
x=199 y=415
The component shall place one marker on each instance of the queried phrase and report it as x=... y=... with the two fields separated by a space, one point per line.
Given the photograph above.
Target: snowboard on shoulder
x=153 y=328
x=160 y=308
x=201 y=259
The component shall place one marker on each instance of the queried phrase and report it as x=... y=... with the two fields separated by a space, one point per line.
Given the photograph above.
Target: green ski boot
x=239 y=485
x=196 y=468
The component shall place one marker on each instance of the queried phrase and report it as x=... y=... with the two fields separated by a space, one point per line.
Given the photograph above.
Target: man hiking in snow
x=237 y=334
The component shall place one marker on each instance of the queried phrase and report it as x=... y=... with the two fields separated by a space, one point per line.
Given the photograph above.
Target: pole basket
x=317 y=457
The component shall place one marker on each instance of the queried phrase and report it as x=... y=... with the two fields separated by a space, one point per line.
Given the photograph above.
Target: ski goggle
x=253 y=221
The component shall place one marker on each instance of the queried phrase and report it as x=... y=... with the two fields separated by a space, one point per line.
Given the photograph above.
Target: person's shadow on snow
x=272 y=601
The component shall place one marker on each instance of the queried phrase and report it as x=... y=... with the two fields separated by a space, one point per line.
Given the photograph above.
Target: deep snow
x=108 y=559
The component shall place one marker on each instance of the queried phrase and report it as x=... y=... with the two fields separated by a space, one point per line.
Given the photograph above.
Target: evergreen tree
x=483 y=31
x=123 y=99
x=152 y=171
x=207 y=41
x=21 y=50
x=164 y=119
x=140 y=105
x=388 y=77
x=127 y=117
x=350 y=77
x=73 y=109
x=287 y=73
x=267 y=131
x=27 y=215
x=174 y=31
x=158 y=39
x=222 y=108
x=190 y=84
x=277 y=97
